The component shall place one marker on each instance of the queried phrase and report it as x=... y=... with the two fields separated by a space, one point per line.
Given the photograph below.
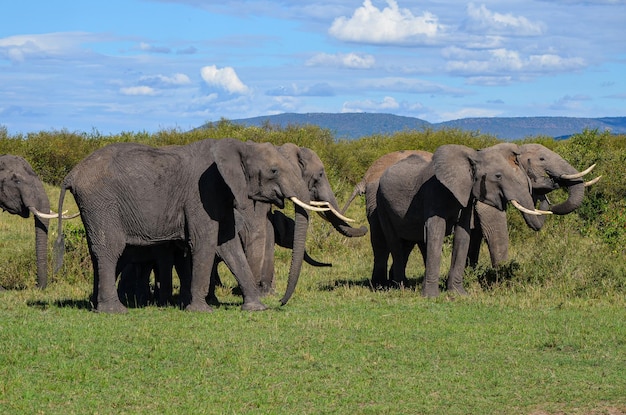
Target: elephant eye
x=274 y=171
x=498 y=176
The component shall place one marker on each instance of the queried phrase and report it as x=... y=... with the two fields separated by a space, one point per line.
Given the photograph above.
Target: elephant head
x=22 y=192
x=313 y=173
x=491 y=175
x=547 y=171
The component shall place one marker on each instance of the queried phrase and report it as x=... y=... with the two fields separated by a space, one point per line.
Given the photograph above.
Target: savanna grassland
x=543 y=334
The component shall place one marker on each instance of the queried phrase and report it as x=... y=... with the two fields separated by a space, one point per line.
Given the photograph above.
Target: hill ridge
x=362 y=124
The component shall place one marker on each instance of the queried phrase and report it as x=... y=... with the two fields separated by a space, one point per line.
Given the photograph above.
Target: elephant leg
x=203 y=249
x=381 y=253
x=232 y=253
x=476 y=239
x=435 y=229
x=107 y=299
x=398 y=268
x=266 y=283
x=182 y=264
x=215 y=281
x=460 y=247
x=163 y=281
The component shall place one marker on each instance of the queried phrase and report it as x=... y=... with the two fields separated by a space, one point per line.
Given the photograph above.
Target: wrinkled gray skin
x=545 y=169
x=378 y=167
x=420 y=202
x=135 y=195
x=21 y=188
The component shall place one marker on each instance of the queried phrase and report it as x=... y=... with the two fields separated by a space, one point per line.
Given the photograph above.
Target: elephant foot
x=212 y=299
x=379 y=285
x=111 y=307
x=253 y=306
x=457 y=289
x=266 y=289
x=430 y=289
x=200 y=306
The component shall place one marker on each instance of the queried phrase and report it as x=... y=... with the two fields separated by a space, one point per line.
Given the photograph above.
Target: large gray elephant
x=22 y=193
x=136 y=195
x=547 y=172
x=420 y=202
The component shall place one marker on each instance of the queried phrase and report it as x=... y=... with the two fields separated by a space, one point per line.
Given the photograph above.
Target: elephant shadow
x=79 y=304
x=489 y=277
x=365 y=282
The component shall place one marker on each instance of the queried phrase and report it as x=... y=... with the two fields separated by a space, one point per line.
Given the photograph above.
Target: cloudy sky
x=146 y=65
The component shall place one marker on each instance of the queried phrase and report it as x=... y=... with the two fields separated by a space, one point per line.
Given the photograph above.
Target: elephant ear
x=293 y=153
x=229 y=155
x=454 y=166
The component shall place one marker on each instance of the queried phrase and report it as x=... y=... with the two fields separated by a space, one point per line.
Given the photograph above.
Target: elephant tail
x=59 y=244
x=359 y=189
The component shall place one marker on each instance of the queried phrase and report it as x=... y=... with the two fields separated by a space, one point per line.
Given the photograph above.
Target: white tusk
x=577 y=175
x=308 y=207
x=43 y=215
x=536 y=212
x=332 y=209
x=592 y=182
x=70 y=216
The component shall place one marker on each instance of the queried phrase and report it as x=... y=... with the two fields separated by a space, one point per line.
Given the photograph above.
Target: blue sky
x=147 y=65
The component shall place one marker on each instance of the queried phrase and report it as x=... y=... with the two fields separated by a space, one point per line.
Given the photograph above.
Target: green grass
x=341 y=350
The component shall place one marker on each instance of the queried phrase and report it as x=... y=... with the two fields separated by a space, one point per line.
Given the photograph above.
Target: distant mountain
x=357 y=125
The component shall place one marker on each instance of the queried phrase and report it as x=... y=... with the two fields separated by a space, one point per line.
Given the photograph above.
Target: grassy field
x=513 y=346
x=543 y=335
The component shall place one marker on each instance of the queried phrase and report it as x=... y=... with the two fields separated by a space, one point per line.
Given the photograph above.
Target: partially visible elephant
x=131 y=194
x=136 y=265
x=547 y=172
x=378 y=167
x=420 y=202
x=22 y=193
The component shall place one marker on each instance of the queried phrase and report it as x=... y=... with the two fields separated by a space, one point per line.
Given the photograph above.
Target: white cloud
x=138 y=90
x=388 y=103
x=146 y=47
x=21 y=47
x=484 y=20
x=347 y=60
x=392 y=24
x=503 y=60
x=178 y=79
x=225 y=78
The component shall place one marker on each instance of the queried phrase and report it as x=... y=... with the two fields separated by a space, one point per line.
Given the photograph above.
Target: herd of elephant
x=147 y=209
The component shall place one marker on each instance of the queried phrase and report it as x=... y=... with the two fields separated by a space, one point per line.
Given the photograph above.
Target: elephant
x=547 y=172
x=137 y=263
x=22 y=193
x=420 y=202
x=132 y=194
x=259 y=227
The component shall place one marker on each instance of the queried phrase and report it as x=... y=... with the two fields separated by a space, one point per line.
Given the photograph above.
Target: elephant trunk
x=494 y=228
x=41 y=251
x=343 y=227
x=39 y=201
x=576 y=191
x=299 y=239
x=536 y=222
